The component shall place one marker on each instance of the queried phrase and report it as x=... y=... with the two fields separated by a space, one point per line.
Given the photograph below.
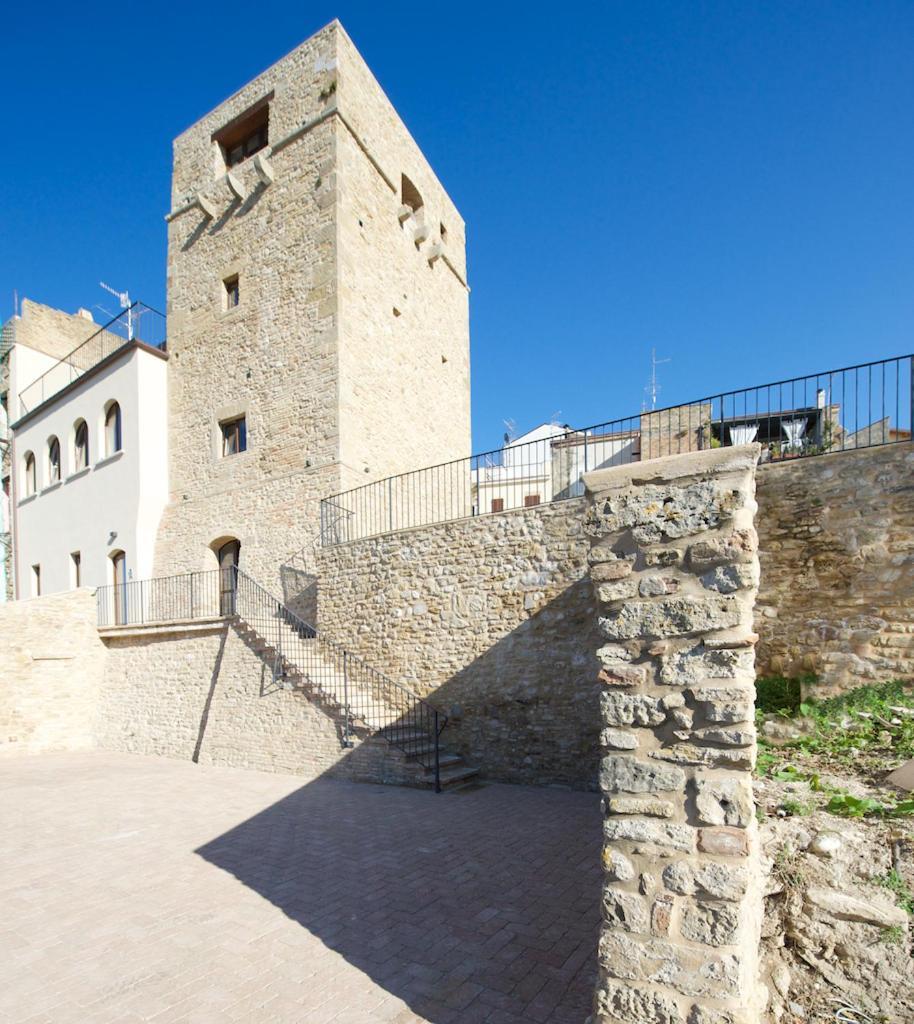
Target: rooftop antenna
x=124 y=299
x=653 y=388
x=510 y=431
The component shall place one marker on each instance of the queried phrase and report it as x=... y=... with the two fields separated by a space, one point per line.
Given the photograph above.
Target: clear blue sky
x=730 y=183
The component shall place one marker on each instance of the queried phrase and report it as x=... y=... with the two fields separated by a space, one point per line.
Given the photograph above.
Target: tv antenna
x=511 y=431
x=653 y=387
x=124 y=299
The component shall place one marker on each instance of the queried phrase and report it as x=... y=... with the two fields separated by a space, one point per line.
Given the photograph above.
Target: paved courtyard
x=143 y=889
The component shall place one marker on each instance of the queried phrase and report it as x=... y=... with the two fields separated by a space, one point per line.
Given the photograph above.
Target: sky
x=727 y=183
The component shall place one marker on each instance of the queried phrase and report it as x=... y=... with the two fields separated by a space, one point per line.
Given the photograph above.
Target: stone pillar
x=675 y=571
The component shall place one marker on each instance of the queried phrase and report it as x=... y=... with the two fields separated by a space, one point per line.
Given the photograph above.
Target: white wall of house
x=115 y=504
x=26 y=366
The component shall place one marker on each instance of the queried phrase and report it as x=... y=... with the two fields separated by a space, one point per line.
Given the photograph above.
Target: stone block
x=631 y=1005
x=631 y=709
x=658 y=837
x=653 y=808
x=625 y=910
x=620 y=774
x=713 y=924
x=617 y=866
x=729 y=842
x=676 y=616
x=618 y=739
x=727 y=579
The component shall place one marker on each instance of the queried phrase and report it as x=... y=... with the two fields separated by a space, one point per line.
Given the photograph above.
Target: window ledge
x=79 y=473
x=234 y=457
x=51 y=487
x=108 y=459
x=227 y=314
x=26 y=500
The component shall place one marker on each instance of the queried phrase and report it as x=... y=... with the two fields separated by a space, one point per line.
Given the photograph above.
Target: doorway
x=228 y=556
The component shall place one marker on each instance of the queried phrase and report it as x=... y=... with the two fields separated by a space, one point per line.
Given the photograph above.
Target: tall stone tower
x=317 y=310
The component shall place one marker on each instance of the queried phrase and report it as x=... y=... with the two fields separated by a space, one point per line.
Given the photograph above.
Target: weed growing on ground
x=904 y=896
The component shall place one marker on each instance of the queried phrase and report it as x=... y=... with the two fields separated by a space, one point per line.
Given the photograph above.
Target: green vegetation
x=789 y=869
x=892 y=936
x=862 y=731
x=896 y=885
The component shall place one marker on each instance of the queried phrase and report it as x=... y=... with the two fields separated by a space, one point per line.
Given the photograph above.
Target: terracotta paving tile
x=138 y=889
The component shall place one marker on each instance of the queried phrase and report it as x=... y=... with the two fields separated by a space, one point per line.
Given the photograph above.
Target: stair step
x=453 y=776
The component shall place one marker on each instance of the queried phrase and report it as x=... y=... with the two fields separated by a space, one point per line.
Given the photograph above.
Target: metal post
x=347 y=742
x=437 y=758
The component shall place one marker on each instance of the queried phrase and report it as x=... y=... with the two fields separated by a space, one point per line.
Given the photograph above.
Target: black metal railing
x=364 y=700
x=837 y=410
x=136 y=323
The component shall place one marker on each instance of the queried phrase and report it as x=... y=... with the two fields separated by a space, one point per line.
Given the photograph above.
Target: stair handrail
x=430 y=719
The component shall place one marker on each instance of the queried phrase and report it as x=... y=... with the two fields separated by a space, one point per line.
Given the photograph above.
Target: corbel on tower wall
x=675 y=571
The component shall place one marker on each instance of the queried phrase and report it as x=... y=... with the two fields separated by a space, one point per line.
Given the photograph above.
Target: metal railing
x=136 y=323
x=837 y=410
x=364 y=700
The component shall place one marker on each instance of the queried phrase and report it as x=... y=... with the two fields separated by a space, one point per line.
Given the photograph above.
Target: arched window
x=80 y=446
x=53 y=461
x=31 y=475
x=113 y=429
x=409 y=194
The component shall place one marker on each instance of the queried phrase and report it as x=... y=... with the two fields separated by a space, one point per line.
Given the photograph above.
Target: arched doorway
x=228 y=555
x=119 y=574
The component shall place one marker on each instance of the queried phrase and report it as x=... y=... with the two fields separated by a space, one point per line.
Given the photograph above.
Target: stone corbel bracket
x=236 y=186
x=198 y=201
x=264 y=167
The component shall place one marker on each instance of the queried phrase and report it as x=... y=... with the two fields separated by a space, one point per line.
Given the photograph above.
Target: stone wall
x=486 y=614
x=490 y=617
x=53 y=663
x=836 y=542
x=203 y=692
x=675 y=571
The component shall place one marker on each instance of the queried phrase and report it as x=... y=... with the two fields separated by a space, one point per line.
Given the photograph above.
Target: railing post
x=347 y=742
x=437 y=758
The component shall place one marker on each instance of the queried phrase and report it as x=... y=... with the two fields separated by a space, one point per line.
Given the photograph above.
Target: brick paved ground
x=142 y=889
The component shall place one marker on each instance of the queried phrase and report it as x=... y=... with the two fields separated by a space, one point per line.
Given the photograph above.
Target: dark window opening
x=81 y=446
x=76 y=559
x=36 y=581
x=232 y=292
x=31 y=476
x=246 y=135
x=113 y=441
x=53 y=461
x=234 y=436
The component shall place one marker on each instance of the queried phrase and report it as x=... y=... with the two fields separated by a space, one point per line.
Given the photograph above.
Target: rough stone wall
x=491 y=618
x=684 y=428
x=201 y=692
x=53 y=663
x=836 y=542
x=675 y=571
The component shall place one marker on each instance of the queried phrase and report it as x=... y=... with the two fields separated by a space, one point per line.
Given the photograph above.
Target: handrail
x=99 y=345
x=844 y=409
x=367 y=700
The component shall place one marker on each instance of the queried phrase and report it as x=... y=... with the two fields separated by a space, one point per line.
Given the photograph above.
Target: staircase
x=366 y=702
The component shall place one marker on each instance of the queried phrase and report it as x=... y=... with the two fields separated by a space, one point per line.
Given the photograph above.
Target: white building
x=89 y=451
x=547 y=463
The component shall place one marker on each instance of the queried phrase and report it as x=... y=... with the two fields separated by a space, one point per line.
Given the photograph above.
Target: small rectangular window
x=498 y=504
x=530 y=500
x=234 y=436
x=232 y=294
x=36 y=581
x=76 y=569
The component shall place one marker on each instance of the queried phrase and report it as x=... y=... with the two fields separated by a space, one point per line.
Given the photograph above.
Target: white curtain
x=743 y=435
x=794 y=429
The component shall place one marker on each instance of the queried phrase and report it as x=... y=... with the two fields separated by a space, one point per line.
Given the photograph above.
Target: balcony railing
x=137 y=323
x=833 y=411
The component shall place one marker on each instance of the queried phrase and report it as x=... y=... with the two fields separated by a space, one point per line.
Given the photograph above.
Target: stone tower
x=317 y=310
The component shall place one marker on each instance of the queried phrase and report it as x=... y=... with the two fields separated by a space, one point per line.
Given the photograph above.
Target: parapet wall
x=675 y=572
x=53 y=662
x=836 y=543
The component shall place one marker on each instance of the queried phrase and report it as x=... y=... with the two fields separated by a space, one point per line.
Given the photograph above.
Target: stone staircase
x=367 y=703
